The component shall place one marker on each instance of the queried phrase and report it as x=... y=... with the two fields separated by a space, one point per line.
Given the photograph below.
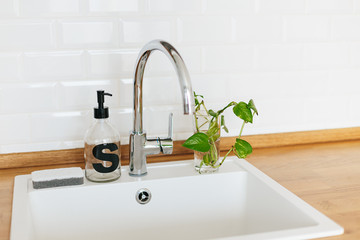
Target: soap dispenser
x=102 y=146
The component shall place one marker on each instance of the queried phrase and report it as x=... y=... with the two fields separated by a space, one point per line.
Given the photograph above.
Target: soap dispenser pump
x=102 y=146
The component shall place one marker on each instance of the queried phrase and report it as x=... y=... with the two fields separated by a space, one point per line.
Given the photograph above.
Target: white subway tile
x=9 y=67
x=122 y=120
x=228 y=58
x=248 y=86
x=354 y=101
x=81 y=95
x=27 y=98
x=344 y=82
x=7 y=8
x=184 y=6
x=167 y=89
x=60 y=126
x=158 y=64
x=156 y=119
x=126 y=88
x=329 y=6
x=53 y=65
x=356 y=6
x=26 y=34
x=308 y=83
x=192 y=57
x=259 y=29
x=329 y=112
x=213 y=87
x=345 y=28
x=326 y=55
x=144 y=30
x=230 y=6
x=207 y=29
x=14 y=129
x=112 y=63
x=88 y=33
x=279 y=57
x=113 y=5
x=355 y=54
x=48 y=7
x=307 y=28
x=121 y=63
x=281 y=6
x=30 y=147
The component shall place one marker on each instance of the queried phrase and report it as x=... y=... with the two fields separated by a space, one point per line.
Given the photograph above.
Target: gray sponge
x=57 y=177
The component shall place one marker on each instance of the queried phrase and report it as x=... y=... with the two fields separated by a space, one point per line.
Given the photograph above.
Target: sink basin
x=238 y=202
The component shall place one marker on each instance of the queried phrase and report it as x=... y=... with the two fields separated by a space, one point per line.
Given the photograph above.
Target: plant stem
x=202 y=103
x=222 y=161
x=242 y=128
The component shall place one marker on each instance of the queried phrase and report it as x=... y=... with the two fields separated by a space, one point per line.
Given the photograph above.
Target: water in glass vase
x=208 y=162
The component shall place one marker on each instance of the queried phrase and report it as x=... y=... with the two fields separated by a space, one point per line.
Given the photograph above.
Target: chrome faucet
x=140 y=145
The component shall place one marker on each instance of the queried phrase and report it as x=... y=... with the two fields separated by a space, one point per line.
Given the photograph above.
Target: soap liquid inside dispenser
x=102 y=146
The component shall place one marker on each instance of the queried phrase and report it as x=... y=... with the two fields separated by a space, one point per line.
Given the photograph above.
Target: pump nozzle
x=101 y=111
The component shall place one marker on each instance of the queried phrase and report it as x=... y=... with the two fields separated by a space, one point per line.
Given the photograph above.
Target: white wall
x=299 y=60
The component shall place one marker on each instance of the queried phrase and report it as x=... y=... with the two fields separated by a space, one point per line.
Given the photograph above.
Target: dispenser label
x=98 y=152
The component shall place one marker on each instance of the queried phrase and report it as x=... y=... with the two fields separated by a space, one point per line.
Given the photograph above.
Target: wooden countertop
x=325 y=175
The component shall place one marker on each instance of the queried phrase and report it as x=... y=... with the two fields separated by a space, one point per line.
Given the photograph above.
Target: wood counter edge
x=69 y=156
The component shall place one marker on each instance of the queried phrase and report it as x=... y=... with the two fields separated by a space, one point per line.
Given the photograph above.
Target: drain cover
x=143 y=196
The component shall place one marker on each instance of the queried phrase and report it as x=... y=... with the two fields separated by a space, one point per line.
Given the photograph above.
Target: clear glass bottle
x=102 y=146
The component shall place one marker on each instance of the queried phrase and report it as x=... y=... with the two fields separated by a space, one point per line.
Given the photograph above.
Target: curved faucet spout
x=140 y=145
x=181 y=70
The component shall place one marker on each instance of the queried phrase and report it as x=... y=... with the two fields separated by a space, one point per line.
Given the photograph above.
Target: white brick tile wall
x=16 y=128
x=111 y=63
x=232 y=58
x=230 y=6
x=88 y=33
x=297 y=59
x=326 y=55
x=205 y=29
x=27 y=98
x=341 y=81
x=346 y=28
x=263 y=29
x=57 y=126
x=26 y=34
x=113 y=5
x=10 y=66
x=280 y=56
x=355 y=54
x=53 y=65
x=38 y=8
x=307 y=28
x=275 y=7
x=7 y=8
x=144 y=30
x=175 y=6
x=330 y=6
x=78 y=95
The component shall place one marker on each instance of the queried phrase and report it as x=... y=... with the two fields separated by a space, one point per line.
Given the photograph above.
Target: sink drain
x=143 y=196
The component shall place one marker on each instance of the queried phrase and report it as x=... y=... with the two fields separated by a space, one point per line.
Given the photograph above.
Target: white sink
x=238 y=202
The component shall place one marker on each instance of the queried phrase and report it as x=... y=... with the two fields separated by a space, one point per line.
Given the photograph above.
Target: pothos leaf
x=212 y=113
x=243 y=111
x=222 y=123
x=198 y=142
x=213 y=129
x=251 y=105
x=242 y=148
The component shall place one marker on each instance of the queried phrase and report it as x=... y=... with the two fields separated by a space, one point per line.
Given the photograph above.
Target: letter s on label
x=110 y=157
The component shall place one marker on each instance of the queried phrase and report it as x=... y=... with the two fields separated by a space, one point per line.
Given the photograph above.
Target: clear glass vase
x=207 y=162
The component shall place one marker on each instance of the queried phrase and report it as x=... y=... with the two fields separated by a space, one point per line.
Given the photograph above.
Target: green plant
x=204 y=141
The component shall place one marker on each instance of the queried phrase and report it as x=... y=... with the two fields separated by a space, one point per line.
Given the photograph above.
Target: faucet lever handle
x=170 y=130
x=166 y=144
